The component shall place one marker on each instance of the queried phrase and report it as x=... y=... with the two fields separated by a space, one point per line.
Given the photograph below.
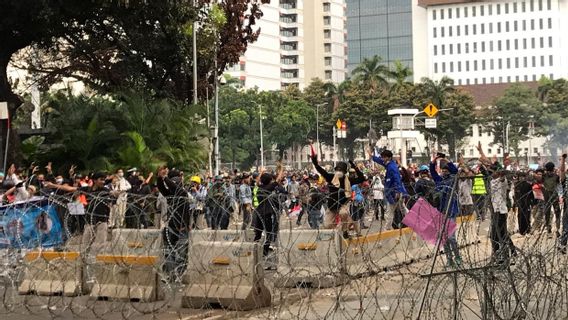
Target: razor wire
x=310 y=272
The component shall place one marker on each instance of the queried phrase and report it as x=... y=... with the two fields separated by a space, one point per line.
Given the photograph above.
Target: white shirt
x=378 y=189
x=498 y=189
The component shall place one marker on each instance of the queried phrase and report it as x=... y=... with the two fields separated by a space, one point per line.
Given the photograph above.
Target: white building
x=492 y=41
x=299 y=40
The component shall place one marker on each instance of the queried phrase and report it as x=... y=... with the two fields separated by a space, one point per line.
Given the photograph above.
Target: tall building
x=379 y=27
x=299 y=40
x=489 y=42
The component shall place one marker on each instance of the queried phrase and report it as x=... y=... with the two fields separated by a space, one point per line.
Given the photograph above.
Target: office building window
x=507 y=45
x=435 y=67
x=435 y=33
x=474 y=29
x=500 y=64
x=326 y=7
x=327 y=61
x=515 y=26
x=326 y=21
x=524 y=24
x=491 y=46
x=490 y=9
x=541 y=24
x=327 y=47
x=509 y=79
x=514 y=7
x=449 y=13
x=532 y=24
x=458 y=31
x=483 y=64
x=467 y=66
x=532 y=5
x=500 y=79
x=459 y=48
x=443 y=67
x=548 y=4
x=506 y=8
x=481 y=10
x=540 y=5
x=482 y=46
x=442 y=14
x=459 y=82
x=524 y=43
x=443 y=49
x=517 y=62
x=483 y=28
x=328 y=75
x=457 y=12
x=499 y=45
x=475 y=81
x=549 y=23
x=492 y=80
x=467 y=82
x=451 y=67
x=459 y=66
x=474 y=65
x=473 y=11
x=498 y=27
x=516 y=44
x=466 y=47
x=550 y=42
x=507 y=26
x=533 y=43
x=465 y=12
x=449 y=31
x=466 y=29
x=491 y=66
x=525 y=62
x=523 y=6
x=550 y=60
x=491 y=27
x=435 y=50
x=442 y=31
x=508 y=63
x=475 y=47
x=451 y=48
x=526 y=78
x=326 y=34
x=534 y=77
x=542 y=61
x=542 y=42
x=498 y=9
x=534 y=61
x=433 y=14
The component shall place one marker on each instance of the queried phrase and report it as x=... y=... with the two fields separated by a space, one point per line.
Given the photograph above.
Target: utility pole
x=195 y=56
x=334 y=146
x=216 y=135
x=261 y=139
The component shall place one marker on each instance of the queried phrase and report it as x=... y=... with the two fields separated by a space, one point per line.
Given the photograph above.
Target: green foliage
x=552 y=112
x=124 y=130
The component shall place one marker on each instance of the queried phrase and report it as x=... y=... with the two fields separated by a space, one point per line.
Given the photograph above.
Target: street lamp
x=317 y=126
x=261 y=135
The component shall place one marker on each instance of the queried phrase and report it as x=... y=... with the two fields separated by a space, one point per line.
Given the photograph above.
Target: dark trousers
x=524 y=219
x=379 y=208
x=479 y=205
x=264 y=222
x=219 y=218
x=500 y=240
x=564 y=236
x=552 y=203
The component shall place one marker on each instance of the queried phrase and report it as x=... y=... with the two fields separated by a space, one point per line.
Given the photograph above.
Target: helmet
x=195 y=179
x=423 y=168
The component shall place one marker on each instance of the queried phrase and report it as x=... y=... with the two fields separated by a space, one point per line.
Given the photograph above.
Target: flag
x=428 y=222
x=313 y=150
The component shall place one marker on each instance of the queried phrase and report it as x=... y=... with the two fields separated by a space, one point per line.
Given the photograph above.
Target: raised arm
x=563 y=167
x=435 y=176
x=327 y=176
x=360 y=176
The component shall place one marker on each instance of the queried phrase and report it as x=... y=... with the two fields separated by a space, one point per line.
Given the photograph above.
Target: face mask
x=121 y=174
x=59 y=181
x=339 y=174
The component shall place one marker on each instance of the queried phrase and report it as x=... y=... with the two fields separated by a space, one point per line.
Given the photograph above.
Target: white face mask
x=339 y=174
x=59 y=181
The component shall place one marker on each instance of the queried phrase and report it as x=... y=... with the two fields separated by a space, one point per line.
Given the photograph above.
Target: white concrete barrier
x=225 y=274
x=310 y=257
x=128 y=267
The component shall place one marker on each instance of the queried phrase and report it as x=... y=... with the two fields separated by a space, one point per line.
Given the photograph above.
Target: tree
x=513 y=110
x=399 y=75
x=437 y=91
x=320 y=99
x=372 y=73
x=552 y=113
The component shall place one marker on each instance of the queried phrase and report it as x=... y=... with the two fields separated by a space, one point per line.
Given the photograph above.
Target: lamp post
x=194 y=56
x=317 y=126
x=261 y=138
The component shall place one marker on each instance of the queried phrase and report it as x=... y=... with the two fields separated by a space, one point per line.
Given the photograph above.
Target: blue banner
x=30 y=225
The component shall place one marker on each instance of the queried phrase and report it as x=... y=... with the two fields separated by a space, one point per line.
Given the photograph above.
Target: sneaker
x=459 y=261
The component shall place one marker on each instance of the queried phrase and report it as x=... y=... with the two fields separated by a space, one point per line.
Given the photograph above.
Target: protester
x=563 y=241
x=267 y=208
x=551 y=182
x=245 y=195
x=378 y=193
x=198 y=195
x=524 y=199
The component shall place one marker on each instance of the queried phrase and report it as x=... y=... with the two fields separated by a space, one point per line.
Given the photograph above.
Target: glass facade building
x=379 y=27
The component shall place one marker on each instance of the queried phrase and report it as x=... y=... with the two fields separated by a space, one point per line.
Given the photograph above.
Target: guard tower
x=403 y=129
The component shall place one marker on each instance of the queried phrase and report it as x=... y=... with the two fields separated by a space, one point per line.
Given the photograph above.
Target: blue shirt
x=445 y=186
x=393 y=181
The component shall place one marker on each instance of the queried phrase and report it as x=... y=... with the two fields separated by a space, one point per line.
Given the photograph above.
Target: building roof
x=429 y=3
x=485 y=94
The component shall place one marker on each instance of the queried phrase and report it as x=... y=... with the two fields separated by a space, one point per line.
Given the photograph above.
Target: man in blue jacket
x=394 y=189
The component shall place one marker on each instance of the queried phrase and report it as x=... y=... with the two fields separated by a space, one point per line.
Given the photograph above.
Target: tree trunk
x=6 y=95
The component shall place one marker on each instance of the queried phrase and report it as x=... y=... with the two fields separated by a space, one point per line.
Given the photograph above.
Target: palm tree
x=437 y=91
x=371 y=72
x=399 y=75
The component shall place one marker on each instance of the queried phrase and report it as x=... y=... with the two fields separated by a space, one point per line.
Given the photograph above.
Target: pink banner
x=427 y=222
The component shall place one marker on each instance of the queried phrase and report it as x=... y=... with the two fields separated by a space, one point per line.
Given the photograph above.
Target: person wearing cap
x=394 y=189
x=340 y=192
x=448 y=203
x=199 y=196
x=551 y=183
x=378 y=193
x=425 y=187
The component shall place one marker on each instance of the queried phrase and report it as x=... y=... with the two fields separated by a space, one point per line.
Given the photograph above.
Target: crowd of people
x=347 y=196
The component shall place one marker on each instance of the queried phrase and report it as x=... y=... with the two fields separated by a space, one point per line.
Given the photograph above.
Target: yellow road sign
x=338 y=124
x=431 y=110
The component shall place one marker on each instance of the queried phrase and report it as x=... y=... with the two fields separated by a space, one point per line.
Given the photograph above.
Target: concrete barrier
x=225 y=274
x=222 y=235
x=53 y=273
x=310 y=257
x=466 y=234
x=378 y=251
x=128 y=267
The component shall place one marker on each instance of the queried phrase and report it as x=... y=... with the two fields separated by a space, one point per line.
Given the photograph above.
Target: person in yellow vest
x=479 y=193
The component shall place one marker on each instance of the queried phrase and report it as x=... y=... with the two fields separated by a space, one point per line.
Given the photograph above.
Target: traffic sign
x=430 y=123
x=431 y=110
x=338 y=124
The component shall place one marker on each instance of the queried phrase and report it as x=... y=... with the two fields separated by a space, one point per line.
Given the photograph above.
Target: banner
x=30 y=225
x=428 y=222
